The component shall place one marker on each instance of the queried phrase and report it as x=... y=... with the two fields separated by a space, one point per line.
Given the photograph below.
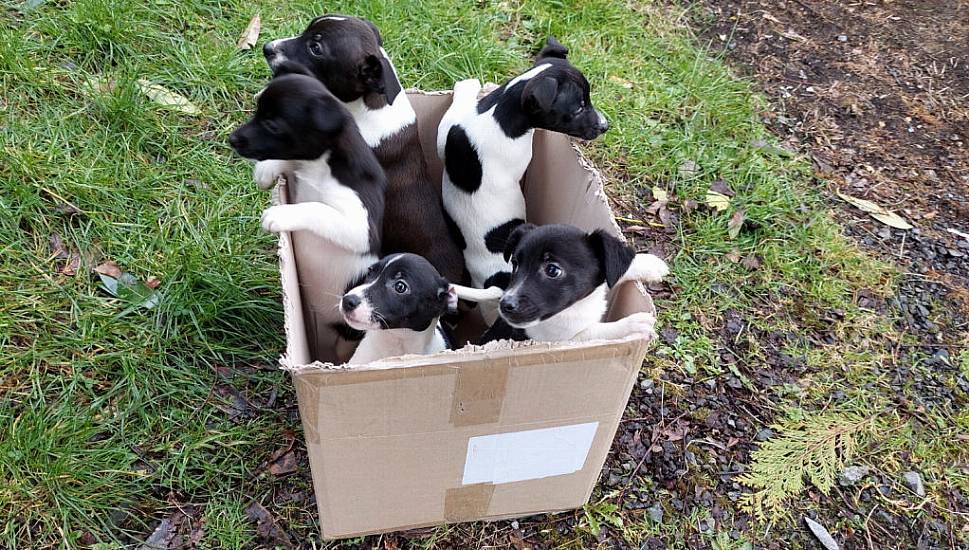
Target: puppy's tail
x=647 y=268
x=491 y=294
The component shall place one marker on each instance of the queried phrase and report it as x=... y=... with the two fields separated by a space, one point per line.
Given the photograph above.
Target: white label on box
x=529 y=454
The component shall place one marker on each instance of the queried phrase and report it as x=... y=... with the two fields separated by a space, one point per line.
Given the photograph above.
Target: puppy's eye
x=316 y=49
x=271 y=126
x=553 y=271
x=400 y=287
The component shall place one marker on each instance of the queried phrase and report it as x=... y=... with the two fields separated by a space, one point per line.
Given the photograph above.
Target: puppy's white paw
x=467 y=88
x=282 y=217
x=641 y=323
x=266 y=172
x=647 y=267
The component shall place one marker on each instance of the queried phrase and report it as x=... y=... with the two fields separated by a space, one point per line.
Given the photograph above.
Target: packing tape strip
x=479 y=393
x=467 y=503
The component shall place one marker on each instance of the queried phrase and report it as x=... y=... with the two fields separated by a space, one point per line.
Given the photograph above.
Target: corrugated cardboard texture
x=387 y=442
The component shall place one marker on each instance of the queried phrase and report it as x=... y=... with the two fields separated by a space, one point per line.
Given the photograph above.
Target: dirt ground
x=878 y=94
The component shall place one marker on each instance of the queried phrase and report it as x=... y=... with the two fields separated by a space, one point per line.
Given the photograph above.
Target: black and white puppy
x=560 y=279
x=346 y=54
x=400 y=304
x=486 y=145
x=338 y=192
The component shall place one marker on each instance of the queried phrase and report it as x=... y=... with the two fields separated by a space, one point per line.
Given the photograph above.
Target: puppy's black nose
x=236 y=141
x=267 y=50
x=508 y=304
x=350 y=302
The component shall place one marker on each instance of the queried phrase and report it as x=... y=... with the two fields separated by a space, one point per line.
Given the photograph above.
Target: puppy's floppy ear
x=553 y=49
x=539 y=94
x=515 y=237
x=372 y=73
x=376 y=31
x=613 y=255
x=327 y=118
x=291 y=67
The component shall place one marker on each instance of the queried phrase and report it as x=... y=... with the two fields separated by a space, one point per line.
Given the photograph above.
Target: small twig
x=867 y=530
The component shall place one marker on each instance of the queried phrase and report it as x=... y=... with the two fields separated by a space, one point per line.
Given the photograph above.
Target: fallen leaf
x=286 y=464
x=167 y=98
x=637 y=229
x=887 y=217
x=822 y=534
x=109 y=268
x=717 y=201
x=621 y=81
x=153 y=282
x=654 y=207
x=660 y=194
x=733 y=256
x=162 y=536
x=68 y=260
x=67 y=209
x=721 y=187
x=266 y=527
x=751 y=262
x=665 y=217
x=677 y=432
x=689 y=205
x=769 y=17
x=735 y=223
x=732 y=441
x=791 y=35
x=251 y=35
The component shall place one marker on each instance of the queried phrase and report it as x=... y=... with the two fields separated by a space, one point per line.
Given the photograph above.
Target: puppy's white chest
x=569 y=322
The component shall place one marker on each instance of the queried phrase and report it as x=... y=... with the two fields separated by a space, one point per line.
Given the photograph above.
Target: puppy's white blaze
x=361 y=318
x=531 y=73
x=332 y=18
x=602 y=118
x=645 y=267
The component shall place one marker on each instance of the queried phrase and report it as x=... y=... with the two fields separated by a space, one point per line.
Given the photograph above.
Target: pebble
x=852 y=475
x=914 y=482
x=647 y=384
x=656 y=513
x=842 y=38
x=764 y=434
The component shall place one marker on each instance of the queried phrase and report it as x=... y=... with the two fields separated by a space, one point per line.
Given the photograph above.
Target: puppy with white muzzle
x=560 y=280
x=346 y=54
x=400 y=304
x=337 y=193
x=486 y=146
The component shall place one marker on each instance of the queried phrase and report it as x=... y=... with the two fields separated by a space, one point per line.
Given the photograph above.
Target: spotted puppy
x=400 y=304
x=560 y=278
x=338 y=192
x=346 y=54
x=486 y=146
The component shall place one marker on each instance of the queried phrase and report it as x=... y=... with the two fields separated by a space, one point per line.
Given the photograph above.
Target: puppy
x=338 y=189
x=486 y=146
x=559 y=282
x=400 y=304
x=345 y=54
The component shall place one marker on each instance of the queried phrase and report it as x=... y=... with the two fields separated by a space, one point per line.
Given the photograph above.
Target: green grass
x=108 y=416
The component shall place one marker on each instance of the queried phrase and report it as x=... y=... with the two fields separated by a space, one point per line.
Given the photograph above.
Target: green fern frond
x=815 y=447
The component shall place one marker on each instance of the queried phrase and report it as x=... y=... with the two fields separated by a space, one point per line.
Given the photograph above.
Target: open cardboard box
x=504 y=430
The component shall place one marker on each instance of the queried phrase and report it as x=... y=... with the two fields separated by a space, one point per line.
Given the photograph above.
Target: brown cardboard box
x=487 y=432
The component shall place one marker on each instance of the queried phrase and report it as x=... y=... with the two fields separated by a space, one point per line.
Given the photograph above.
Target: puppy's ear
x=449 y=294
x=553 y=49
x=326 y=117
x=291 y=67
x=372 y=74
x=614 y=256
x=539 y=94
x=515 y=237
x=376 y=31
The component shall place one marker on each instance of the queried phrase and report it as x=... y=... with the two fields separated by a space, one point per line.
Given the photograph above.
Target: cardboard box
x=504 y=430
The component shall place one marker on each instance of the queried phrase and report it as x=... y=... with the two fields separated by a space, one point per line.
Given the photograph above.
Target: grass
x=111 y=416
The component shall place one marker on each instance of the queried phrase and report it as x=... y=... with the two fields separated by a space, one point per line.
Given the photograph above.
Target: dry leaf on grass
x=266 y=527
x=167 y=98
x=881 y=214
x=153 y=282
x=285 y=464
x=109 y=268
x=251 y=35
x=127 y=287
x=68 y=261
x=822 y=534
x=735 y=223
x=660 y=194
x=717 y=201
